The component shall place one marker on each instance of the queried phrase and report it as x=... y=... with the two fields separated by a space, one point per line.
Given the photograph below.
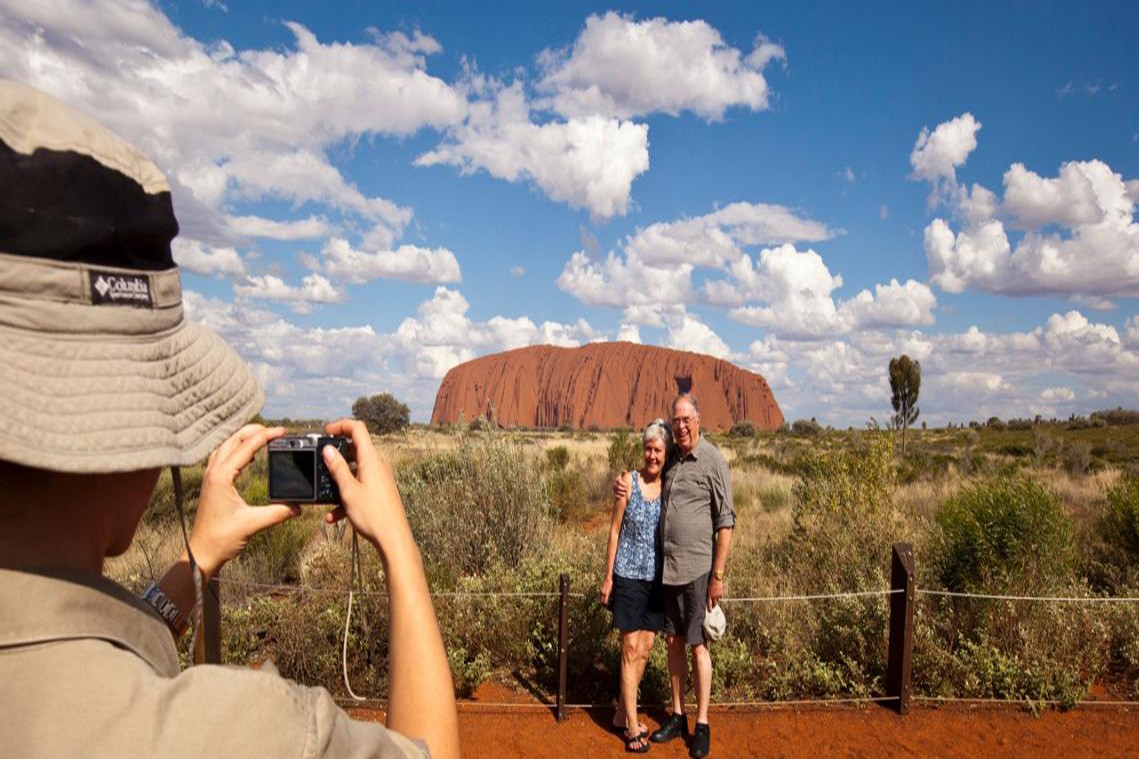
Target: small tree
x=382 y=413
x=905 y=383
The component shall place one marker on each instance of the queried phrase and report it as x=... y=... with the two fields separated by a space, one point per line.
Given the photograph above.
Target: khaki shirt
x=86 y=669
x=697 y=502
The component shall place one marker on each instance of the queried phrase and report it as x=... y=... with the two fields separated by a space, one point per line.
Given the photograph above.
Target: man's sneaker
x=675 y=726
x=701 y=741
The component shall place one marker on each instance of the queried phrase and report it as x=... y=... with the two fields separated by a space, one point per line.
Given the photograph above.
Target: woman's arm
x=421 y=700
x=619 y=503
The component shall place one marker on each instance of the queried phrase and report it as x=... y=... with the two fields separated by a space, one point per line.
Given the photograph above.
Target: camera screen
x=292 y=475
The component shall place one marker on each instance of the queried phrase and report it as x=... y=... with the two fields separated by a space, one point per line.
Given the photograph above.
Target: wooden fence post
x=900 y=658
x=563 y=646
x=208 y=648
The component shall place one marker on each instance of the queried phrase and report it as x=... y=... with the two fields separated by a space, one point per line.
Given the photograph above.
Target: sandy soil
x=522 y=730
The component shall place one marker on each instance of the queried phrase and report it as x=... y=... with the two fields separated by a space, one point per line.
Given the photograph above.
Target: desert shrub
x=1009 y=535
x=383 y=413
x=467 y=670
x=480 y=424
x=1117 y=417
x=743 y=429
x=626 y=452
x=1077 y=458
x=806 y=427
x=557 y=457
x=1120 y=523
x=567 y=491
x=995 y=423
x=480 y=504
x=1045 y=446
x=1005 y=534
x=1019 y=650
x=274 y=555
x=844 y=523
x=162 y=507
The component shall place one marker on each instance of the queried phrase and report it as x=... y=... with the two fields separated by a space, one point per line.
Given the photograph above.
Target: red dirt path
x=847 y=731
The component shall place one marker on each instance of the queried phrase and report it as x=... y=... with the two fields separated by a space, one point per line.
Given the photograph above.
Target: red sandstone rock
x=604 y=385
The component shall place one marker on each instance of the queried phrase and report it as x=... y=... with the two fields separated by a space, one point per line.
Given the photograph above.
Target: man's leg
x=702 y=674
x=676 y=725
x=677 y=671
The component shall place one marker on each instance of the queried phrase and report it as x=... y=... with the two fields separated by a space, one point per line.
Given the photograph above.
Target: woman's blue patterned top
x=637 y=546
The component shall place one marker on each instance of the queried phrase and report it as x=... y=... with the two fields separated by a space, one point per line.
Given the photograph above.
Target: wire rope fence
x=901 y=597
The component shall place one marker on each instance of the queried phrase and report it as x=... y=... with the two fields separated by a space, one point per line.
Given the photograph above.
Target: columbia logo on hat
x=108 y=288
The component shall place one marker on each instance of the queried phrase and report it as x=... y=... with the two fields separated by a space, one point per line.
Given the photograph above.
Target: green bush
x=567 y=492
x=481 y=504
x=274 y=555
x=468 y=671
x=382 y=413
x=743 y=429
x=1121 y=517
x=626 y=452
x=806 y=427
x=557 y=458
x=1005 y=534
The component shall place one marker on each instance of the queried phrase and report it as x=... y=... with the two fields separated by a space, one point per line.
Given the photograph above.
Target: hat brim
x=98 y=403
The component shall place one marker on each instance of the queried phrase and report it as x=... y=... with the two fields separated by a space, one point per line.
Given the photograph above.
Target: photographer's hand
x=224 y=522
x=421 y=694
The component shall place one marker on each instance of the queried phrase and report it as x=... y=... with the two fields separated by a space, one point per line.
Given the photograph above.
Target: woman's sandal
x=637 y=744
x=620 y=729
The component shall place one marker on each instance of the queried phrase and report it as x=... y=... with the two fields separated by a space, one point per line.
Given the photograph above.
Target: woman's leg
x=630 y=677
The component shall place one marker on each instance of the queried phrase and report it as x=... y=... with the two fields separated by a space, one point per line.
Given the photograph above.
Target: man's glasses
x=682 y=421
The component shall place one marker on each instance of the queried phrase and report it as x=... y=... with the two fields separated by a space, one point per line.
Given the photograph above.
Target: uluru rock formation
x=601 y=384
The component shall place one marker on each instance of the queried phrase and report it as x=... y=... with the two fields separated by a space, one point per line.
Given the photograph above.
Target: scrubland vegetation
x=1010 y=509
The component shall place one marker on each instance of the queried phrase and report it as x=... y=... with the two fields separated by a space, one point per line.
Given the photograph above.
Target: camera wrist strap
x=192 y=615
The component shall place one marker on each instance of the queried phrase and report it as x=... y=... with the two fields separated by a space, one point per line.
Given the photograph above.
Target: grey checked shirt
x=697 y=503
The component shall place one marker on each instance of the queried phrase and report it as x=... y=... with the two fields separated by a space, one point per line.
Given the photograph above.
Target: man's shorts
x=636 y=605
x=684 y=610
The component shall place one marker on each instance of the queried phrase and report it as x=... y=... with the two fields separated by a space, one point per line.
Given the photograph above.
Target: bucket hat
x=715 y=623
x=99 y=369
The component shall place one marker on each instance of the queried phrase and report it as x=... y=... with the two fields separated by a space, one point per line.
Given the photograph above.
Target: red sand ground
x=845 y=731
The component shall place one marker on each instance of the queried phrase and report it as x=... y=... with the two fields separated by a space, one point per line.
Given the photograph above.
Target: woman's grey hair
x=657 y=429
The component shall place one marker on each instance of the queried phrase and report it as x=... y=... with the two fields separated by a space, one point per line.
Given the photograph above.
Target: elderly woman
x=631 y=588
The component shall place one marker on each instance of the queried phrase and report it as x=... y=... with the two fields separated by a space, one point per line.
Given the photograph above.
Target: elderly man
x=696 y=534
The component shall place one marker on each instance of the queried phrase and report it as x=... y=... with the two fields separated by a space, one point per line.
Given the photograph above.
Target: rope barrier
x=1011 y=701
x=446 y=594
x=815 y=597
x=1050 y=599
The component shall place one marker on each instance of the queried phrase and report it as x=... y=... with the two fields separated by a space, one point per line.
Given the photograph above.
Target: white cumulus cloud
x=409 y=263
x=620 y=67
x=314 y=290
x=207 y=260
x=588 y=163
x=1092 y=255
x=937 y=154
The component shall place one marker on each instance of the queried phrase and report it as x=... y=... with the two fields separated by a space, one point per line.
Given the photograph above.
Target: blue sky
x=372 y=193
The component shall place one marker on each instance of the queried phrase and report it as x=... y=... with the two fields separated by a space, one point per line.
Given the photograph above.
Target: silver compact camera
x=297 y=472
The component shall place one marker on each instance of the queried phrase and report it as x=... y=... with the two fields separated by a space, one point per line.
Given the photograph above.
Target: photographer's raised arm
x=224 y=522
x=421 y=700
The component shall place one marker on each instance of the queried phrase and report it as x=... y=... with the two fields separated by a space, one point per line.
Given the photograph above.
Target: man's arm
x=723 y=522
x=719 y=562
